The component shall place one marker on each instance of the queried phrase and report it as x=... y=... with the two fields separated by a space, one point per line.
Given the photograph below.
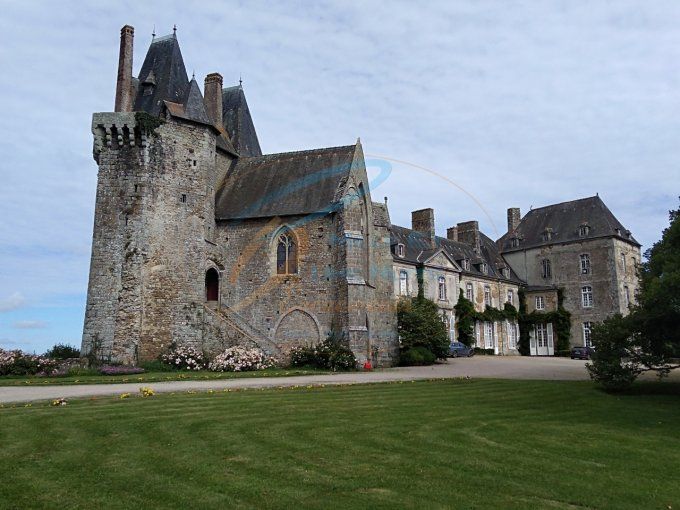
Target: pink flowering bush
x=17 y=362
x=240 y=359
x=184 y=358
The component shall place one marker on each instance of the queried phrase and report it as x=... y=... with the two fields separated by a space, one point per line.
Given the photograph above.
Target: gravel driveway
x=509 y=367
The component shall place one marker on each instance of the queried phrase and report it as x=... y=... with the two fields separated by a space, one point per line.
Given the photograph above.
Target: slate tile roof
x=563 y=221
x=417 y=249
x=239 y=123
x=284 y=184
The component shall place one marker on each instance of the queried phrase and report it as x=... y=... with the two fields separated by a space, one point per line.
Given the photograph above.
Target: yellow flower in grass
x=146 y=392
x=125 y=395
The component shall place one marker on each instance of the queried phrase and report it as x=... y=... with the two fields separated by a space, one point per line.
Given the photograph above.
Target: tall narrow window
x=442 y=288
x=487 y=296
x=542 y=335
x=469 y=292
x=483 y=268
x=400 y=250
x=626 y=295
x=488 y=335
x=286 y=254
x=585 y=263
x=623 y=263
x=511 y=296
x=466 y=264
x=587 y=296
x=540 y=303
x=511 y=329
x=587 y=342
x=403 y=282
x=546 y=269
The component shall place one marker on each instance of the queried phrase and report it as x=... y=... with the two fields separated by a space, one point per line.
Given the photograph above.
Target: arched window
x=212 y=285
x=286 y=254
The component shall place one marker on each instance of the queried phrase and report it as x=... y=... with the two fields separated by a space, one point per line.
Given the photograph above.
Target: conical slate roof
x=238 y=122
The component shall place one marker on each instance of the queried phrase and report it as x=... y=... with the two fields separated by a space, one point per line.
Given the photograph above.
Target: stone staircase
x=235 y=325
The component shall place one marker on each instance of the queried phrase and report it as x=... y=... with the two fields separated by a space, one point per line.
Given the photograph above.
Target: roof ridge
x=563 y=203
x=302 y=152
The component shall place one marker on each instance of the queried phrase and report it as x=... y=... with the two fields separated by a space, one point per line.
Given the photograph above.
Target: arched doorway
x=212 y=285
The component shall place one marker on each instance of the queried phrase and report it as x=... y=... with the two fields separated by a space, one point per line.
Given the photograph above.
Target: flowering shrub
x=331 y=354
x=184 y=358
x=59 y=402
x=240 y=359
x=146 y=392
x=19 y=363
x=119 y=370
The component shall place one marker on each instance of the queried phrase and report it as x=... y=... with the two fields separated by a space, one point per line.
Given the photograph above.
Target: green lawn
x=442 y=444
x=147 y=377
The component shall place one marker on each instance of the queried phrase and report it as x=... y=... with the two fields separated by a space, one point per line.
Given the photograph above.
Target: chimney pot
x=124 y=89
x=213 y=98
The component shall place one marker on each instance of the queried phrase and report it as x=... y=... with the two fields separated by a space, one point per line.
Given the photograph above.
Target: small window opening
x=183 y=198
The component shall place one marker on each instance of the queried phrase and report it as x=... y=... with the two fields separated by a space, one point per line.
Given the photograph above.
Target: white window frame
x=470 y=291
x=584 y=261
x=511 y=332
x=511 y=297
x=400 y=250
x=587 y=329
x=441 y=286
x=488 y=335
x=488 y=299
x=623 y=263
x=539 y=303
x=484 y=268
x=466 y=264
x=403 y=282
x=587 y=300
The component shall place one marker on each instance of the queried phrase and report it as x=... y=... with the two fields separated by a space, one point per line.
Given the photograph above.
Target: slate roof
x=238 y=122
x=163 y=66
x=417 y=249
x=565 y=219
x=284 y=184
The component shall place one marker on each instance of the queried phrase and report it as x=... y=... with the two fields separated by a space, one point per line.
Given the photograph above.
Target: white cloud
x=12 y=302
x=29 y=325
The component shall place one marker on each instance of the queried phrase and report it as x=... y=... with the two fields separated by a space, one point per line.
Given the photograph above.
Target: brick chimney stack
x=452 y=233
x=514 y=217
x=423 y=221
x=124 y=97
x=213 y=98
x=468 y=233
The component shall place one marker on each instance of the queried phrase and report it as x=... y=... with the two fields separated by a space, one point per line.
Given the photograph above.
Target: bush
x=484 y=352
x=420 y=325
x=416 y=356
x=63 y=351
x=331 y=354
x=612 y=363
x=156 y=365
x=240 y=359
x=184 y=358
x=19 y=363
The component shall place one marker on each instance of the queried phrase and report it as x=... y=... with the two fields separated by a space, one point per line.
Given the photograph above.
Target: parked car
x=458 y=349
x=581 y=352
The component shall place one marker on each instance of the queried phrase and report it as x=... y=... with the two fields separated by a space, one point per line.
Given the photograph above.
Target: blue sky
x=517 y=103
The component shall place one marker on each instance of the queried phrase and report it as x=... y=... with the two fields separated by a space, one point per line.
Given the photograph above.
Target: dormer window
x=547 y=234
x=505 y=272
x=514 y=242
x=483 y=268
x=466 y=264
x=400 y=250
x=583 y=230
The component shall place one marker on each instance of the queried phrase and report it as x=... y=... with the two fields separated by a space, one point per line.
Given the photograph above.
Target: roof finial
x=153 y=34
x=174 y=30
x=240 y=81
x=193 y=74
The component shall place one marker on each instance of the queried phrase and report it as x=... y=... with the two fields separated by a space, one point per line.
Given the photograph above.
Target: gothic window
x=403 y=283
x=469 y=292
x=286 y=254
x=540 y=303
x=587 y=296
x=487 y=296
x=585 y=263
x=546 y=269
x=441 y=281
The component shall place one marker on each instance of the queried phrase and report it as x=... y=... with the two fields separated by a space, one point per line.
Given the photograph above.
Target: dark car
x=457 y=349
x=581 y=352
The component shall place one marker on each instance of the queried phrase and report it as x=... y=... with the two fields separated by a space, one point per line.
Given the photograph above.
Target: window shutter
x=550 y=334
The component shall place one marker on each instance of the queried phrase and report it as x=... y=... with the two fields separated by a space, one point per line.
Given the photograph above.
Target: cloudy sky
x=479 y=106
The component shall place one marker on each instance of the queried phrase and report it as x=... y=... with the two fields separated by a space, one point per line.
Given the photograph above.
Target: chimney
x=124 y=84
x=452 y=233
x=468 y=233
x=514 y=217
x=423 y=221
x=213 y=98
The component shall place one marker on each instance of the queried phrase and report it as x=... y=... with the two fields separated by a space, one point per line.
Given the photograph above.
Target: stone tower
x=154 y=213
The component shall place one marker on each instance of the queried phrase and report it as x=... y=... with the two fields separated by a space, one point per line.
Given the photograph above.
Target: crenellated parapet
x=115 y=130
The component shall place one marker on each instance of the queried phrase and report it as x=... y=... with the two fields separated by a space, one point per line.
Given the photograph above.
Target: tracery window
x=286 y=254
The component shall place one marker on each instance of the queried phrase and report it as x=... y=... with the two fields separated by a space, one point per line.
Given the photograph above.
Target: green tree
x=465 y=312
x=648 y=339
x=420 y=325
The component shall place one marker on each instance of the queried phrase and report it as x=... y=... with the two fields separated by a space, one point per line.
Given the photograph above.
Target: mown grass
x=441 y=444
x=148 y=377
